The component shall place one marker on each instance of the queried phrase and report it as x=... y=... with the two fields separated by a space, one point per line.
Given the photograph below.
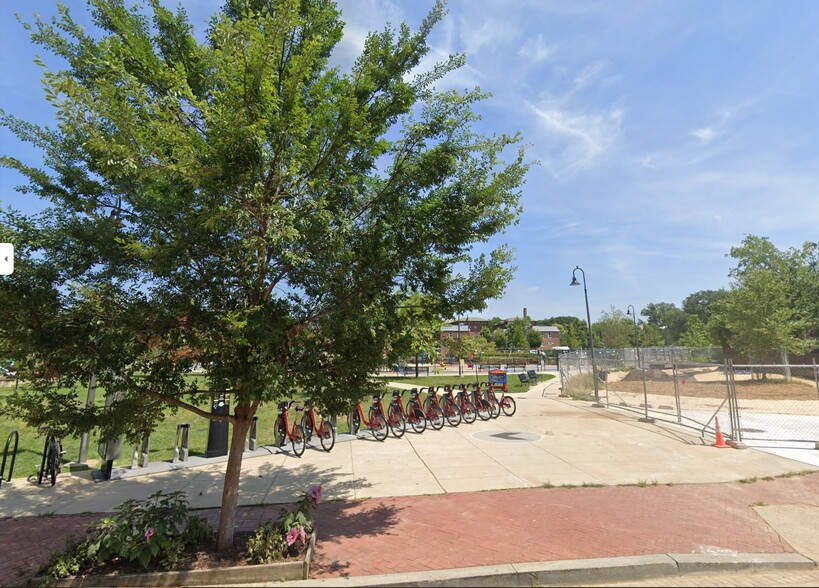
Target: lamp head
x=574 y=281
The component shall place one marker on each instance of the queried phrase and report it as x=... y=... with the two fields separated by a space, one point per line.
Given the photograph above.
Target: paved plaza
x=558 y=481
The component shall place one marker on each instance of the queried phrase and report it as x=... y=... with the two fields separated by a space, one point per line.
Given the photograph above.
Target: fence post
x=733 y=403
x=786 y=362
x=677 y=392
x=816 y=378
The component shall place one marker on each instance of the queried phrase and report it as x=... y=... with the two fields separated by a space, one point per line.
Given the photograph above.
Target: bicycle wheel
x=53 y=462
x=378 y=425
x=494 y=407
x=298 y=440
x=482 y=407
x=327 y=436
x=452 y=414
x=416 y=418
x=468 y=412
x=279 y=432
x=508 y=405
x=307 y=425
x=435 y=416
x=397 y=423
x=354 y=422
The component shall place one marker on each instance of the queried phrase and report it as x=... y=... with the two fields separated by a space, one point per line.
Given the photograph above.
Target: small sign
x=6 y=259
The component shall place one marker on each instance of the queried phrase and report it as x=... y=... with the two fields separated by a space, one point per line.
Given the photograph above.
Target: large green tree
x=771 y=305
x=237 y=203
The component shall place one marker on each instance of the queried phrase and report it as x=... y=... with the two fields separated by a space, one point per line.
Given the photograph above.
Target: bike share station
x=497 y=380
x=216 y=452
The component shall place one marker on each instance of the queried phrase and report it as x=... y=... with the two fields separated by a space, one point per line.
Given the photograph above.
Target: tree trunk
x=230 y=489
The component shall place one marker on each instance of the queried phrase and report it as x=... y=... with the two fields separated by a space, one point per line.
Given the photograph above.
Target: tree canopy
x=235 y=202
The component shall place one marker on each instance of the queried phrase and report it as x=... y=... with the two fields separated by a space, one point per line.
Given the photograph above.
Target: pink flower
x=314 y=492
x=302 y=536
x=149 y=532
x=292 y=535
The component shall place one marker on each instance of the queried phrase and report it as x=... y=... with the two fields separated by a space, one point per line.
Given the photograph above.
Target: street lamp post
x=591 y=338
x=630 y=311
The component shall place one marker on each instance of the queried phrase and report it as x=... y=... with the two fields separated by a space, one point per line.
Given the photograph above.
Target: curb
x=576 y=571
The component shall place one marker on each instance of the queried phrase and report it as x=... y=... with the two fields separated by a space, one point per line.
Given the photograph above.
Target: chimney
x=525 y=314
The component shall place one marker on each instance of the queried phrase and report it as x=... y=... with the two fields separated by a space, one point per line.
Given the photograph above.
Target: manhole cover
x=507 y=436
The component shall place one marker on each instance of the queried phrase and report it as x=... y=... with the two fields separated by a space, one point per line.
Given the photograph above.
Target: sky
x=664 y=131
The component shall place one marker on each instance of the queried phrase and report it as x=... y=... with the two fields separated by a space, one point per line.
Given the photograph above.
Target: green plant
x=288 y=534
x=267 y=544
x=69 y=561
x=145 y=530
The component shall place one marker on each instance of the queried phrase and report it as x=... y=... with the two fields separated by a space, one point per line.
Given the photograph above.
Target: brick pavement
x=415 y=533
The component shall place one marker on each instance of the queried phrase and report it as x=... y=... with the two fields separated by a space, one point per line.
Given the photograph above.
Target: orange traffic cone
x=720 y=439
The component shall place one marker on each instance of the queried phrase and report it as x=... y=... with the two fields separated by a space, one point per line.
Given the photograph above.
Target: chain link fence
x=699 y=388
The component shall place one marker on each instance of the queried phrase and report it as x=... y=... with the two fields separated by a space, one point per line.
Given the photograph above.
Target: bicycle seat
x=396 y=393
x=299 y=408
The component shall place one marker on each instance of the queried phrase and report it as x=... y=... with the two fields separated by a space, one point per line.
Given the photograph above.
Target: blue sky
x=666 y=131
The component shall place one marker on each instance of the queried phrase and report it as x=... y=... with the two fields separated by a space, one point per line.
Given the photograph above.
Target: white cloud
x=475 y=37
x=578 y=139
x=706 y=134
x=536 y=50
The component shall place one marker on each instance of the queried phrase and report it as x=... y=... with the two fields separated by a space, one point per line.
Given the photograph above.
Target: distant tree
x=500 y=340
x=615 y=329
x=668 y=318
x=419 y=331
x=573 y=331
x=697 y=334
x=701 y=303
x=516 y=333
x=535 y=339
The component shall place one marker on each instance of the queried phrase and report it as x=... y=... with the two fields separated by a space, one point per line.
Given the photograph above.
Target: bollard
x=253 y=442
x=181 y=453
x=144 y=457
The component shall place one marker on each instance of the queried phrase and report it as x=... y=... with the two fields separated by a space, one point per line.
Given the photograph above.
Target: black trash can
x=218 y=430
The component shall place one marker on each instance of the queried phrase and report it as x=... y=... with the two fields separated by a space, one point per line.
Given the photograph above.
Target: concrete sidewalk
x=420 y=504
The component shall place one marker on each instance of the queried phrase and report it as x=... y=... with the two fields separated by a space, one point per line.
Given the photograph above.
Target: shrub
x=156 y=529
x=287 y=535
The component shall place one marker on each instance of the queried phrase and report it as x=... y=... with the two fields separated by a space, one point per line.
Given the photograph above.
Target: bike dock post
x=180 y=448
x=140 y=457
x=16 y=437
x=252 y=442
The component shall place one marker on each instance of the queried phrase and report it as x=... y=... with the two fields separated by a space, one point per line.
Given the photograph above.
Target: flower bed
x=156 y=542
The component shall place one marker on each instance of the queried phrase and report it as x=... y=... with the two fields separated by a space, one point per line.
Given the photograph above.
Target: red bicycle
x=482 y=406
x=414 y=413
x=282 y=430
x=432 y=409
x=395 y=416
x=449 y=405
x=376 y=421
x=466 y=406
x=506 y=403
x=324 y=431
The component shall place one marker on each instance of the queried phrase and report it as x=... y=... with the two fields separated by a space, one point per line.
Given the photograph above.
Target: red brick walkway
x=414 y=533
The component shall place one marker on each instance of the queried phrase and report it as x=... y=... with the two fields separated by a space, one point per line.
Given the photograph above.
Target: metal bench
x=533 y=375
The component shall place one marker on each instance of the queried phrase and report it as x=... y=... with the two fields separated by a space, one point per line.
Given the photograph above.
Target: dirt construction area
x=712 y=385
